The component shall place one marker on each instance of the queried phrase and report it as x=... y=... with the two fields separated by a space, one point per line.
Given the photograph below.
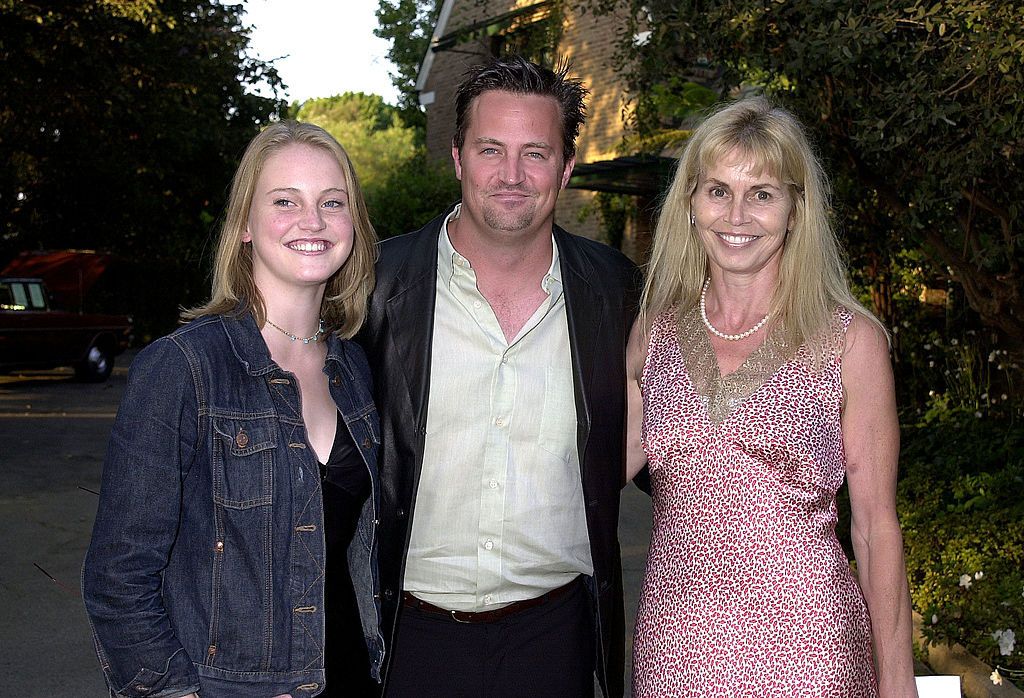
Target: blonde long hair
x=344 y=305
x=812 y=273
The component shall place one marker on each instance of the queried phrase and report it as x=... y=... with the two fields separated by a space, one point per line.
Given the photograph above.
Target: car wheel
x=96 y=366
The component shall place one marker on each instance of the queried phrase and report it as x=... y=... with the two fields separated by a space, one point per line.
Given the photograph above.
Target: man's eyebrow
x=484 y=140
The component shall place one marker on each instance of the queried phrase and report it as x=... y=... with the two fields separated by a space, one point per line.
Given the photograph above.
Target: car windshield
x=22 y=295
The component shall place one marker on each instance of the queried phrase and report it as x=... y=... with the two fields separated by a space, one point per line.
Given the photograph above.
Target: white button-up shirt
x=499 y=513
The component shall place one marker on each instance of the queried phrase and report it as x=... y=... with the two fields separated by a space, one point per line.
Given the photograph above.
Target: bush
x=412 y=195
x=962 y=511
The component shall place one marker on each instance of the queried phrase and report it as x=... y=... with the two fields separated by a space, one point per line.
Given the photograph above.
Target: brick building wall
x=588 y=42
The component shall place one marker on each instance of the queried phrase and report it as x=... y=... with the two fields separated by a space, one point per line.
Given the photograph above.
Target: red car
x=34 y=335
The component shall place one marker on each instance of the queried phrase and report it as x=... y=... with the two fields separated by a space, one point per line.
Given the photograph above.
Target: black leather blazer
x=601 y=294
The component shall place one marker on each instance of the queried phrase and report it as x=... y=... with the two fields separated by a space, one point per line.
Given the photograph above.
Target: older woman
x=240 y=436
x=757 y=383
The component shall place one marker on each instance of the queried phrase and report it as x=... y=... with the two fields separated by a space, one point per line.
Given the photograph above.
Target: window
x=35 y=292
x=534 y=39
x=532 y=31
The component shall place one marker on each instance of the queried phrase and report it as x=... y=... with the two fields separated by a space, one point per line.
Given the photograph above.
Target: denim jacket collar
x=251 y=350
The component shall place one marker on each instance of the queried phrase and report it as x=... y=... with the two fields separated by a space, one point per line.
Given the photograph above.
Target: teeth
x=737 y=239
x=308 y=246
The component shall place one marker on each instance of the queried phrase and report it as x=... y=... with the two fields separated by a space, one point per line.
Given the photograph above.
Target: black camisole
x=346 y=485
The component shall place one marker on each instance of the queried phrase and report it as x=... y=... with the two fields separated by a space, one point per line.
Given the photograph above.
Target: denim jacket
x=206 y=567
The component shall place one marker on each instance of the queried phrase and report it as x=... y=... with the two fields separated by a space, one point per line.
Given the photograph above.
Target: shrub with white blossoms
x=962 y=515
x=1006 y=639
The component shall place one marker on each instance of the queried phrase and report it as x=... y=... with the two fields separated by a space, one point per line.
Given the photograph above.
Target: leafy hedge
x=961 y=505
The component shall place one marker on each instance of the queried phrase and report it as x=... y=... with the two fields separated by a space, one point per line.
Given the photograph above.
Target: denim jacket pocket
x=243 y=461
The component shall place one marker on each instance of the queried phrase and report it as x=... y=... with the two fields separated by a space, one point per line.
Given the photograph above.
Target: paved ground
x=53 y=435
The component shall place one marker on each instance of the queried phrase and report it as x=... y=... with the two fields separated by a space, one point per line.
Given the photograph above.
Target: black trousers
x=540 y=652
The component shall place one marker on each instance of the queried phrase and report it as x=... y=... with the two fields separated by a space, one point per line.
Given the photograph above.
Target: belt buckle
x=456 y=618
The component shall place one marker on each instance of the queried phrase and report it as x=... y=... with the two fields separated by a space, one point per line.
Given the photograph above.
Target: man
x=497 y=342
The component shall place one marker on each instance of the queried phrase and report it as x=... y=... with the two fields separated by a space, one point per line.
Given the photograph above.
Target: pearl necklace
x=305 y=340
x=716 y=332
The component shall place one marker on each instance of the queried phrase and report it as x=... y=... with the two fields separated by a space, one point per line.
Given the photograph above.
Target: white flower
x=979 y=574
x=965 y=579
x=996 y=678
x=1004 y=396
x=992 y=355
x=935 y=619
x=954 y=341
x=1006 y=640
x=927 y=347
x=978 y=415
x=931 y=364
x=984 y=396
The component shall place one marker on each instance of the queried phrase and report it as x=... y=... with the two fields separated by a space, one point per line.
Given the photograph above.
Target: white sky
x=329 y=44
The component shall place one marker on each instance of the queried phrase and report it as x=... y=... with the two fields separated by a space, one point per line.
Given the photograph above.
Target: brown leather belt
x=497 y=614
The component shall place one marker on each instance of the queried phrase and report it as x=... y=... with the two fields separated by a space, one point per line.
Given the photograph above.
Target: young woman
x=235 y=533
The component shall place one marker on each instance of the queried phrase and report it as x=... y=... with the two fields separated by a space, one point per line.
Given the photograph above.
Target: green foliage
x=412 y=194
x=370 y=131
x=962 y=511
x=403 y=189
x=915 y=106
x=676 y=100
x=615 y=211
x=408 y=26
x=120 y=127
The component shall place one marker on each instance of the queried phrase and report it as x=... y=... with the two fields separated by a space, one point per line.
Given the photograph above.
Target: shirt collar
x=449 y=259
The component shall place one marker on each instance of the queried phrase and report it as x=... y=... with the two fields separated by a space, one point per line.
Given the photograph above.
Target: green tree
x=370 y=130
x=408 y=25
x=916 y=107
x=403 y=190
x=120 y=127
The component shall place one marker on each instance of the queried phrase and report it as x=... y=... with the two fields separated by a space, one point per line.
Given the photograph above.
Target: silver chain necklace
x=713 y=330
x=305 y=340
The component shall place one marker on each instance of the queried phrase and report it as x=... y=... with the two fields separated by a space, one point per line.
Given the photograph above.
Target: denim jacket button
x=219 y=546
x=367 y=444
x=241 y=439
x=335 y=381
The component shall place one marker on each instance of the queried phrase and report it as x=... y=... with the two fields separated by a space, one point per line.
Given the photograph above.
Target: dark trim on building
x=638 y=175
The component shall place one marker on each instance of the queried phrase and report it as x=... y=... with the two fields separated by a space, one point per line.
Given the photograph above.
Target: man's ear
x=457 y=159
x=567 y=172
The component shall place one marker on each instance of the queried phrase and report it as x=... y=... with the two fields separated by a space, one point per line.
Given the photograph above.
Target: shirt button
x=500 y=422
x=504 y=359
x=493 y=484
x=477 y=304
x=489 y=544
x=488 y=598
